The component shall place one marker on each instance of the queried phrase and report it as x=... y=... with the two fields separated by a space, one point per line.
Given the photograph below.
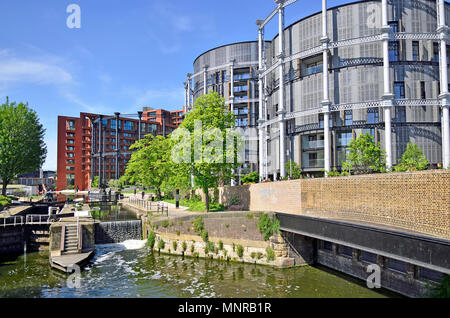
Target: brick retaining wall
x=417 y=201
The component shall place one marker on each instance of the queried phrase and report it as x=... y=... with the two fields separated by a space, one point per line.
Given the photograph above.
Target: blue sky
x=127 y=54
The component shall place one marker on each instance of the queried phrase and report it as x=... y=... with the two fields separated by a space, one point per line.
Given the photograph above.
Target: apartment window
x=70 y=141
x=313 y=68
x=348 y=118
x=415 y=50
x=70 y=168
x=70 y=148
x=127 y=135
x=70 y=154
x=128 y=125
x=70 y=124
x=70 y=134
x=394 y=51
x=399 y=90
x=113 y=124
x=70 y=161
x=372 y=116
x=435 y=52
x=394 y=26
x=422 y=90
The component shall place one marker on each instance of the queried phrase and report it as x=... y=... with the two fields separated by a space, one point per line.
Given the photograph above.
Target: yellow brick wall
x=417 y=201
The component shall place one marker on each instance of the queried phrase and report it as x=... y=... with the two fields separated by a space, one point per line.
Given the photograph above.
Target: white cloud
x=45 y=70
x=17 y=70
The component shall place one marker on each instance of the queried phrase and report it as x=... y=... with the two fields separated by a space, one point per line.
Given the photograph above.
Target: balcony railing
x=313 y=144
x=313 y=163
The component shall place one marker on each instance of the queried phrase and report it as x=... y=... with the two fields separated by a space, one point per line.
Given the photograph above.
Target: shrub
x=184 y=246
x=151 y=240
x=259 y=255
x=178 y=232
x=268 y=227
x=204 y=235
x=441 y=290
x=220 y=245
x=161 y=245
x=412 y=159
x=240 y=251
x=227 y=225
x=270 y=254
x=209 y=247
x=180 y=223
x=225 y=252
x=192 y=248
x=252 y=177
x=253 y=255
x=174 y=245
x=292 y=166
x=249 y=216
x=198 y=224
x=165 y=223
x=234 y=247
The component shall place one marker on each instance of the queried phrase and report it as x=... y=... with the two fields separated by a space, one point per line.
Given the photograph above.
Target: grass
x=197 y=206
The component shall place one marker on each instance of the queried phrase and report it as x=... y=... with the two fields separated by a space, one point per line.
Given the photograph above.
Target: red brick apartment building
x=79 y=138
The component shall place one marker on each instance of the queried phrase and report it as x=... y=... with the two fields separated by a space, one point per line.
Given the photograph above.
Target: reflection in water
x=108 y=212
x=118 y=272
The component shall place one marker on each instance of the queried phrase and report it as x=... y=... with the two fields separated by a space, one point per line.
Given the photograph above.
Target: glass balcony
x=313 y=163
x=312 y=144
x=313 y=70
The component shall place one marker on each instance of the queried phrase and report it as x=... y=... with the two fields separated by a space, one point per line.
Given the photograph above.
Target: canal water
x=118 y=271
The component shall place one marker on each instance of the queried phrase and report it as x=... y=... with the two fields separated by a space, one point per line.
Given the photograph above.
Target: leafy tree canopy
x=150 y=163
x=412 y=159
x=22 y=147
x=364 y=156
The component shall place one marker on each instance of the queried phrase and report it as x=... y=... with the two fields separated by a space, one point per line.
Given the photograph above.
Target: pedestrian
x=76 y=189
x=134 y=191
x=143 y=194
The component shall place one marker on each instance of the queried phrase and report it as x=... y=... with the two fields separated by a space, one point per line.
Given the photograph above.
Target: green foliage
x=150 y=163
x=442 y=290
x=295 y=168
x=252 y=177
x=211 y=111
x=4 y=201
x=209 y=247
x=412 y=159
x=249 y=216
x=364 y=156
x=174 y=245
x=192 y=248
x=151 y=240
x=253 y=255
x=259 y=255
x=115 y=184
x=268 y=227
x=22 y=147
x=204 y=235
x=165 y=223
x=220 y=243
x=198 y=224
x=178 y=232
x=270 y=254
x=161 y=244
x=184 y=246
x=235 y=201
x=240 y=251
x=95 y=183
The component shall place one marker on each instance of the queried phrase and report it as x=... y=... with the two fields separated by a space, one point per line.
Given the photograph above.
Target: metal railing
x=12 y=221
x=149 y=206
x=23 y=220
x=37 y=219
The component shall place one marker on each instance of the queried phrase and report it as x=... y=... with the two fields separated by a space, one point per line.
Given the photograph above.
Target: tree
x=412 y=159
x=364 y=156
x=22 y=147
x=252 y=177
x=151 y=165
x=295 y=168
x=95 y=182
x=208 y=162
